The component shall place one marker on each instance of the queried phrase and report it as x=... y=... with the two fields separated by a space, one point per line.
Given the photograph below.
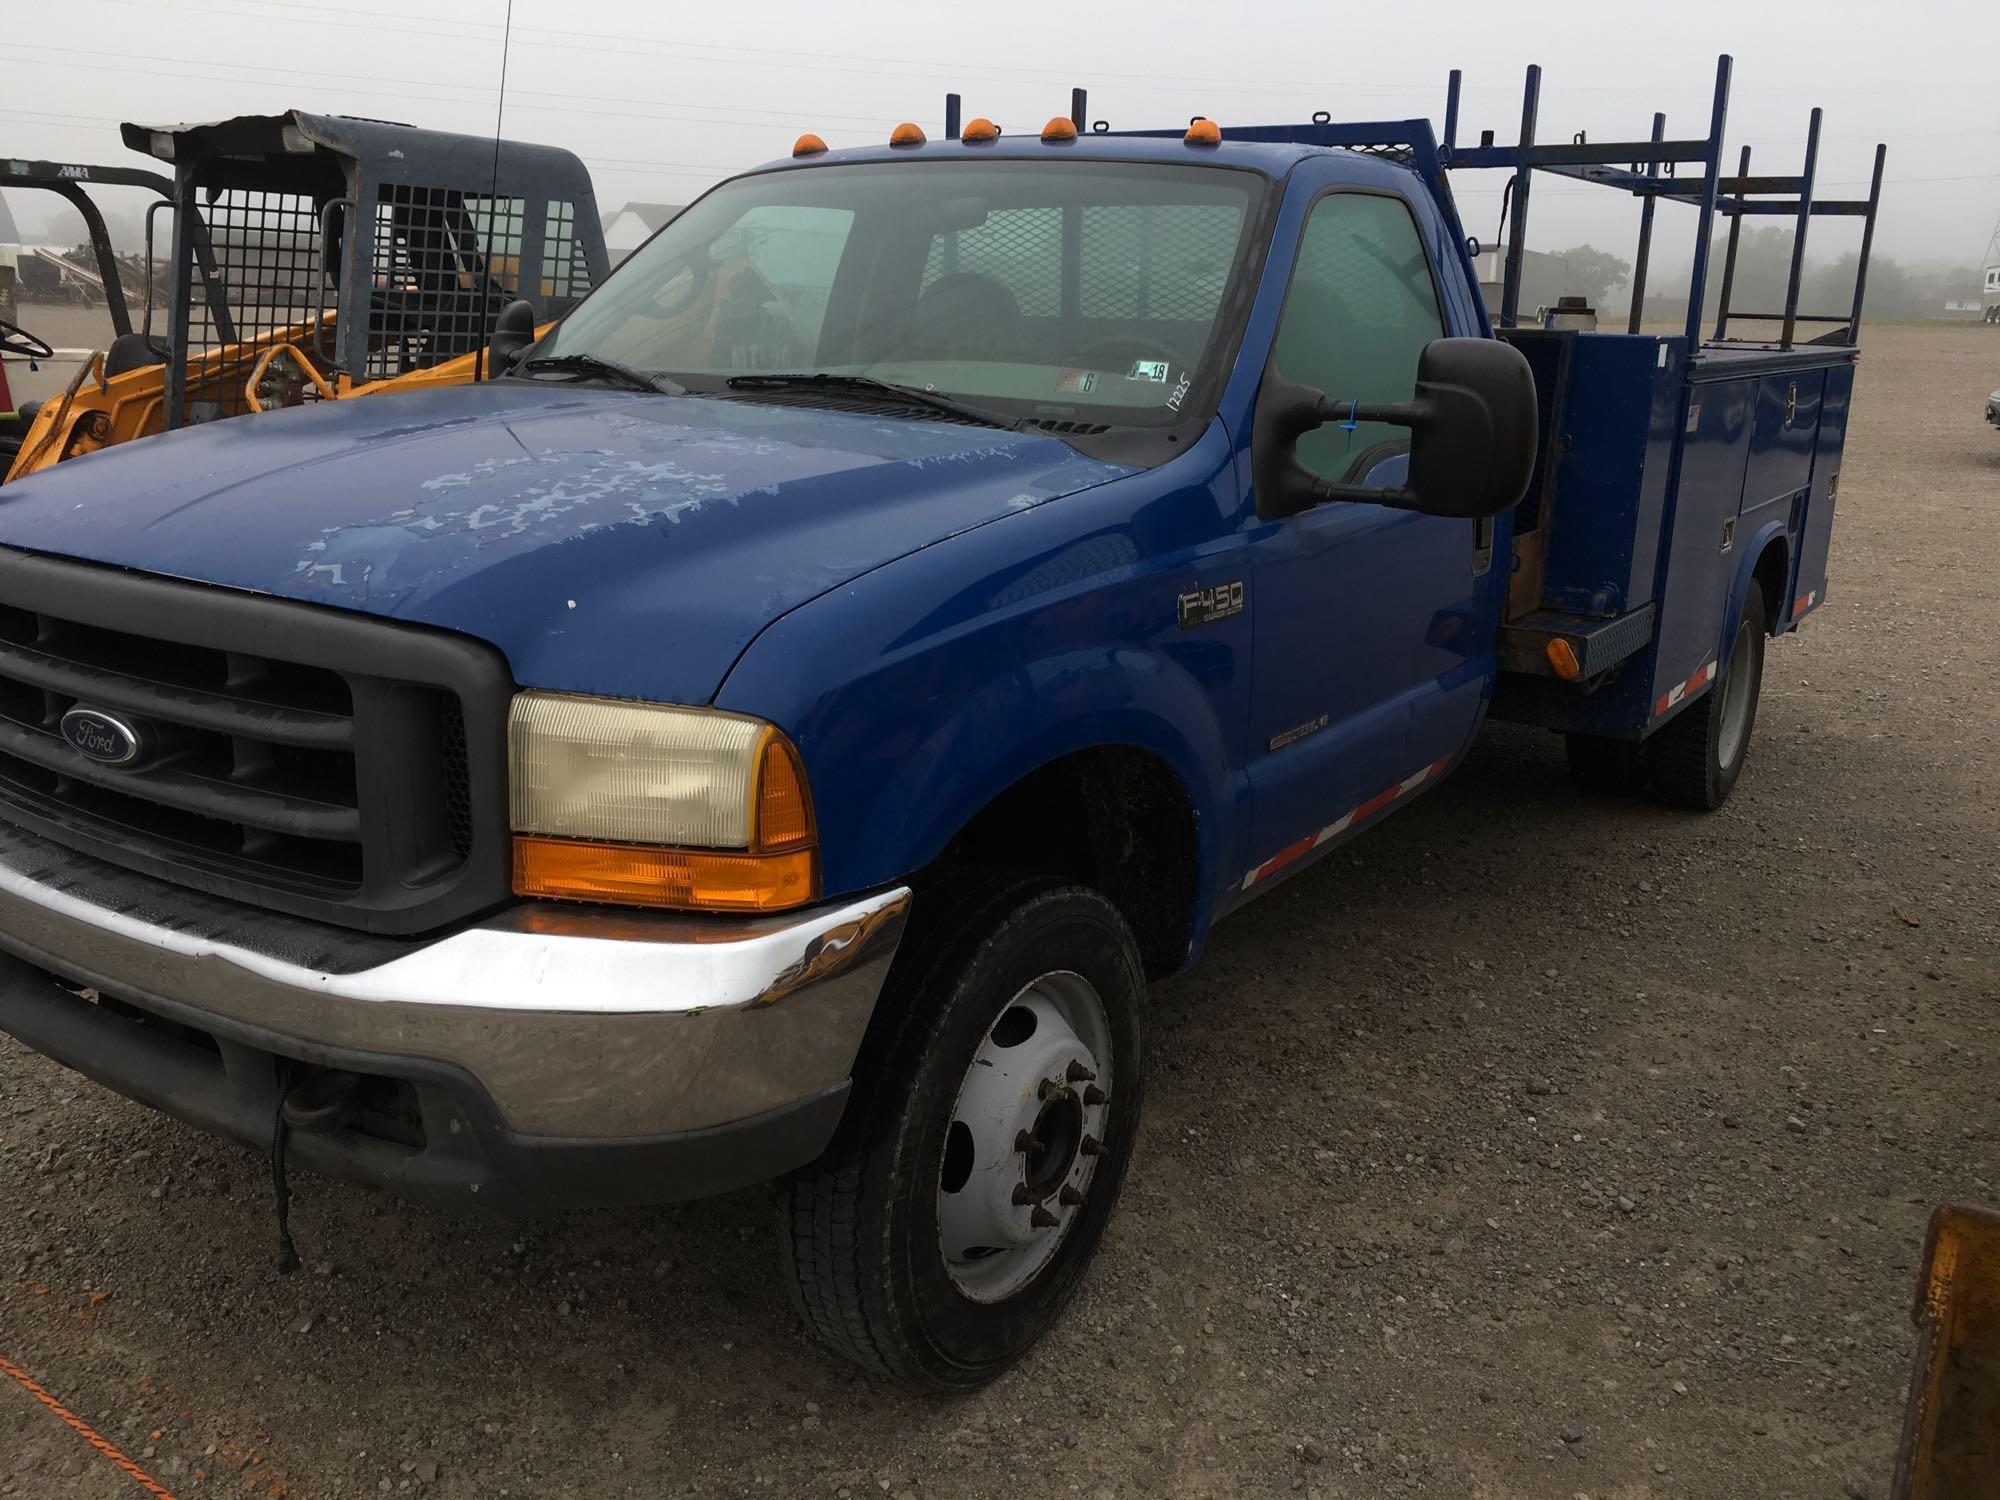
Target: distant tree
x=1592 y=272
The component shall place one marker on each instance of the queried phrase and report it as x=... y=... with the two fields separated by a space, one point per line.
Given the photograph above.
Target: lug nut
x=1024 y=1195
x=1092 y=1094
x=1025 y=1142
x=1069 y=1196
x=1091 y=1146
x=1078 y=1073
x=1051 y=1088
x=1041 y=1218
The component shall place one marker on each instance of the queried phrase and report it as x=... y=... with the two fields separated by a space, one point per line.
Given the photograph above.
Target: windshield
x=1073 y=290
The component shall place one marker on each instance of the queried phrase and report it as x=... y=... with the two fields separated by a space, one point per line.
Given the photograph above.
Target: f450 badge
x=1206 y=606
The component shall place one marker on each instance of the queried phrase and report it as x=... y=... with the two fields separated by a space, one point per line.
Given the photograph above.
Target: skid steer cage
x=268 y=284
x=372 y=249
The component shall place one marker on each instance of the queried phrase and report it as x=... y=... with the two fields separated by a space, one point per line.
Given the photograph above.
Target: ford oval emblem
x=101 y=736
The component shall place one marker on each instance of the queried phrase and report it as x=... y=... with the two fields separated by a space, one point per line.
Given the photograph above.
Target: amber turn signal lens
x=784 y=811
x=906 y=134
x=1563 y=658
x=1203 y=132
x=1059 y=130
x=979 y=132
x=808 y=145
x=689 y=879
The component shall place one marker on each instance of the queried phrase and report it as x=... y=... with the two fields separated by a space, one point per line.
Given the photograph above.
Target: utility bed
x=1676 y=473
x=1665 y=484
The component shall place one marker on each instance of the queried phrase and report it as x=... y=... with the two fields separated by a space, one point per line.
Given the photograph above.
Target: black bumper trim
x=222 y=1077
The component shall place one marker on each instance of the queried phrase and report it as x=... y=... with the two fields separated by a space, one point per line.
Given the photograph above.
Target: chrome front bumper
x=577 y=1025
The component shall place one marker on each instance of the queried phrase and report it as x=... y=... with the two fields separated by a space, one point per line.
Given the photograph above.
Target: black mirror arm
x=1298 y=410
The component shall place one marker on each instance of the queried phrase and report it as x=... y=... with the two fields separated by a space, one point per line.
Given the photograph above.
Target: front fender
x=921 y=692
x=1015 y=723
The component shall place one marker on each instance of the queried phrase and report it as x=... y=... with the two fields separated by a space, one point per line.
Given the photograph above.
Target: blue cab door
x=1372 y=626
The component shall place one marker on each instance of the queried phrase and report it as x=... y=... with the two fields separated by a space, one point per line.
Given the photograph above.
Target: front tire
x=994 y=1112
x=1695 y=760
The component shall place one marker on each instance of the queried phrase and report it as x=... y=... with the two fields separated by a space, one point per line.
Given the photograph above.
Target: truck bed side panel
x=1614 y=449
x=1809 y=584
x=1695 y=589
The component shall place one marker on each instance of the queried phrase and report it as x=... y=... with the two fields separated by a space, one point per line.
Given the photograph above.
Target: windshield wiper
x=888 y=390
x=596 y=364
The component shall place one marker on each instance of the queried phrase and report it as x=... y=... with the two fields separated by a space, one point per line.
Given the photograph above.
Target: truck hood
x=606 y=542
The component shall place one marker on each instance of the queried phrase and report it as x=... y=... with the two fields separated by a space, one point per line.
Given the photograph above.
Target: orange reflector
x=980 y=131
x=1563 y=659
x=1203 y=132
x=784 y=817
x=906 y=134
x=808 y=145
x=1060 y=129
x=633 y=875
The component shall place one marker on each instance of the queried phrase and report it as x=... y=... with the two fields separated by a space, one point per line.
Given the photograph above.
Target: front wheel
x=1695 y=760
x=993 y=1117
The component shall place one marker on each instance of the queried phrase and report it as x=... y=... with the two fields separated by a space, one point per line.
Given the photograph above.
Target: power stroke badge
x=1206 y=606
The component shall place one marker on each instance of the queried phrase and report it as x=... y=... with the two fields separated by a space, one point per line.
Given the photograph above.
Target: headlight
x=648 y=804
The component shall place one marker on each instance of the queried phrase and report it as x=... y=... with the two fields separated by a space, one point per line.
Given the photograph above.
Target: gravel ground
x=1536 y=1145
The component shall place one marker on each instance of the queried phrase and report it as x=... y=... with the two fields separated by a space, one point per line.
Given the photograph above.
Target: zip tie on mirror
x=1353 y=421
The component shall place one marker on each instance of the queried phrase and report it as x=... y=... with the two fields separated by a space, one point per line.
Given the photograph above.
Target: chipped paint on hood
x=606 y=542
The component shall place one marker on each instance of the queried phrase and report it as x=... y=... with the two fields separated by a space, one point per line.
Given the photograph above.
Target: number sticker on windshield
x=1154 y=370
x=1082 y=382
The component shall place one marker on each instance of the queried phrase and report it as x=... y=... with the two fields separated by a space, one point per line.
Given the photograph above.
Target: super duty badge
x=1206 y=606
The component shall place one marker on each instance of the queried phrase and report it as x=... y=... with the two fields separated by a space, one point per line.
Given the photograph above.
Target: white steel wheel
x=1026 y=1134
x=991 y=1123
x=1739 y=691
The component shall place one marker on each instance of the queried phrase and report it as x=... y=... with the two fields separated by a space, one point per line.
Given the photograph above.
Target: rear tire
x=1694 y=761
x=1610 y=768
x=943 y=1149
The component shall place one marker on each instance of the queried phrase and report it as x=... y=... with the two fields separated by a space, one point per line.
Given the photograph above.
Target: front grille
x=347 y=769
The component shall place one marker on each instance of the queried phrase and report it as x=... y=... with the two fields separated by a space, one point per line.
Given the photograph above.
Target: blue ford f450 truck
x=775 y=726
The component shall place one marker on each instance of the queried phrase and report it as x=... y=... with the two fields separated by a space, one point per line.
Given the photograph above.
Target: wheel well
x=1771 y=575
x=1114 y=818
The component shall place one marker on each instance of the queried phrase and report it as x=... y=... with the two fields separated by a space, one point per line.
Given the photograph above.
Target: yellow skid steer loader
x=316 y=257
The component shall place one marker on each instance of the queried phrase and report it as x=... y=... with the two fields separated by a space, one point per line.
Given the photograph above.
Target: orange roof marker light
x=808 y=145
x=1060 y=131
x=1203 y=131
x=980 y=132
x=906 y=134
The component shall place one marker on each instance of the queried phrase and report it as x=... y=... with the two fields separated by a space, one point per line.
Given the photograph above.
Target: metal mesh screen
x=1401 y=154
x=444 y=263
x=1021 y=248
x=267 y=262
x=1167 y=261
x=565 y=271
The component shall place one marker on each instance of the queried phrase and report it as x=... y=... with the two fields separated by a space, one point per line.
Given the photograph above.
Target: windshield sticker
x=1154 y=370
x=1082 y=382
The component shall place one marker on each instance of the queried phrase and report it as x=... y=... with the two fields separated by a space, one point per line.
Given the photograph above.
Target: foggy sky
x=661 y=98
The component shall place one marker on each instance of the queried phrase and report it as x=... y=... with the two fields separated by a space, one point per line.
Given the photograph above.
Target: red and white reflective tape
x=1680 y=690
x=1341 y=825
x=1804 y=603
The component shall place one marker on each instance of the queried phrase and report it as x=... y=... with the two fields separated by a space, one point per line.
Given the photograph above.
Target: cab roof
x=1268 y=150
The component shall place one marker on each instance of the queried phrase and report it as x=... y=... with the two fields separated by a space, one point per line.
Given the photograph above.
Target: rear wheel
x=1695 y=760
x=994 y=1112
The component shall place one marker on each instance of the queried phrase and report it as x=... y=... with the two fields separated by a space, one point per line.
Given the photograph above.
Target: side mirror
x=513 y=332
x=1473 y=430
